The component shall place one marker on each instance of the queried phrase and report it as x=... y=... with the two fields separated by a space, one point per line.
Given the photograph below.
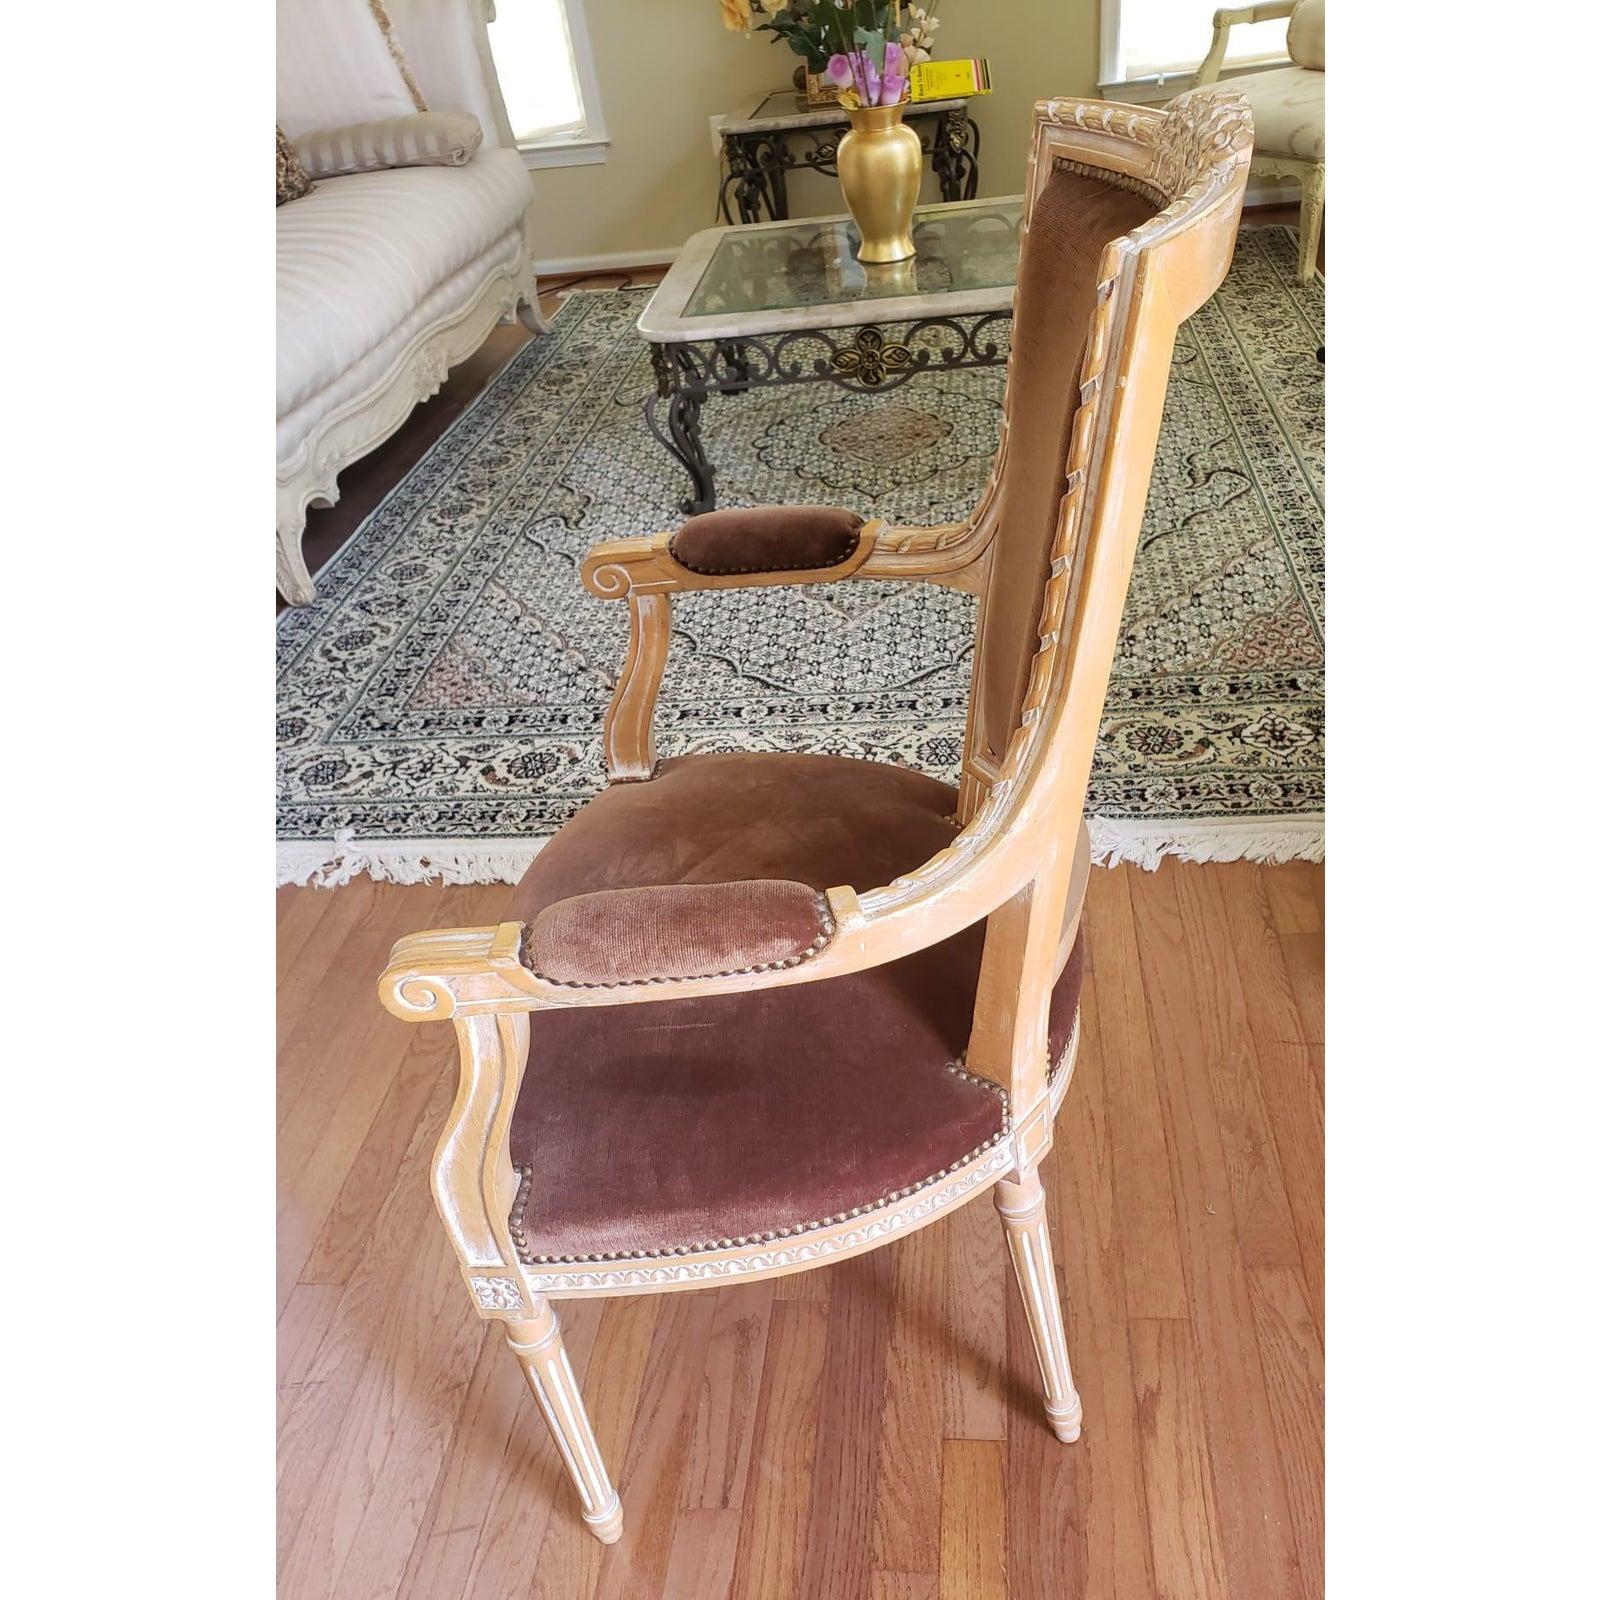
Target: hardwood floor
x=873 y=1429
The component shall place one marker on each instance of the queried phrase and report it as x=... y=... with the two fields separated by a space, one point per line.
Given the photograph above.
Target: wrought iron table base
x=870 y=359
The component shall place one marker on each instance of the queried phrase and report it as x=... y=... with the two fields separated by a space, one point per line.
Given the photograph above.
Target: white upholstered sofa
x=387 y=278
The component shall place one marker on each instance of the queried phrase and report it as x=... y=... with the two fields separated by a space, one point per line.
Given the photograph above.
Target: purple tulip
x=869 y=90
x=894 y=89
x=894 y=60
x=838 y=72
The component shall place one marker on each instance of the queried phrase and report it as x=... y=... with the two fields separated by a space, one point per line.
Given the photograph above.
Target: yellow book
x=950 y=80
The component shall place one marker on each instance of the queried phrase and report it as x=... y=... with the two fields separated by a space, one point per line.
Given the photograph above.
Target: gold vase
x=880 y=171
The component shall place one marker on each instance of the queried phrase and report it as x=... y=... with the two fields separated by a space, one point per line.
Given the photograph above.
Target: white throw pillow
x=424 y=139
x=339 y=62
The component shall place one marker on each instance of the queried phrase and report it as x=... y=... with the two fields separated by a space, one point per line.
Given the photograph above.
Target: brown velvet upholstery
x=1073 y=220
x=650 y=1127
x=766 y=539
x=687 y=930
x=817 y=820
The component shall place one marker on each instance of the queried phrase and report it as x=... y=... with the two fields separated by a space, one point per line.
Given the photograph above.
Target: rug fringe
x=329 y=864
x=1271 y=840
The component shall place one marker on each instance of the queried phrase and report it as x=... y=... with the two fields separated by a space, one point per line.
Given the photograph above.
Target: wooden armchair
x=753 y=1013
x=1286 y=105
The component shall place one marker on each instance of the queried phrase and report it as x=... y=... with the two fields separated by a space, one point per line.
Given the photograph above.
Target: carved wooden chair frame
x=1020 y=859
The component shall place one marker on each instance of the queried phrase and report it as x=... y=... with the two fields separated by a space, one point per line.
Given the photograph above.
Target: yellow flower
x=736 y=15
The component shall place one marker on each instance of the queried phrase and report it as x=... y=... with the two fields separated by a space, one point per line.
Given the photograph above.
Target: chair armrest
x=674 y=933
x=735 y=549
x=750 y=549
x=1230 y=17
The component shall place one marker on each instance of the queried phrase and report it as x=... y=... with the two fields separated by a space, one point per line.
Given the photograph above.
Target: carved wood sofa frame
x=310 y=477
x=1020 y=859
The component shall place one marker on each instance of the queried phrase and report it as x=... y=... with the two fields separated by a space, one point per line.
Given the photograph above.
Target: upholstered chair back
x=1078 y=212
x=1102 y=203
x=1306 y=45
x=1129 y=226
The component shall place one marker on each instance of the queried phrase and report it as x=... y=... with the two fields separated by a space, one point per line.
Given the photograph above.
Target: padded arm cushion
x=766 y=539
x=675 y=931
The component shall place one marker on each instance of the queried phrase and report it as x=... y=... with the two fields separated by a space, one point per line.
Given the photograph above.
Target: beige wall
x=666 y=66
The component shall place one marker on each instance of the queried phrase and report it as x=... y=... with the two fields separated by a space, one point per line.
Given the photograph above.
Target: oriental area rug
x=439 y=706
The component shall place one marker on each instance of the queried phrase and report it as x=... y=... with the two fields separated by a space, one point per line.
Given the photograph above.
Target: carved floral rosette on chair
x=870 y=979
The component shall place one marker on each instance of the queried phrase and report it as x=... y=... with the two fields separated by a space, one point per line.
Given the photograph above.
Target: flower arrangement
x=864 y=48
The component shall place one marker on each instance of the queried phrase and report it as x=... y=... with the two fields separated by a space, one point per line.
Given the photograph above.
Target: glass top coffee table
x=788 y=303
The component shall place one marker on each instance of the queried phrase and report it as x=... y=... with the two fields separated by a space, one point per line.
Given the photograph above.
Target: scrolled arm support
x=1234 y=17
x=648 y=572
x=454 y=973
x=623 y=568
x=433 y=976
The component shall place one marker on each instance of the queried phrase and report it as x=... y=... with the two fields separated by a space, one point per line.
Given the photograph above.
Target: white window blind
x=1161 y=38
x=538 y=70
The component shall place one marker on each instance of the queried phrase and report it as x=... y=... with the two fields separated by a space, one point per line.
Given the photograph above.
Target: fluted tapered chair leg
x=1022 y=1209
x=538 y=1346
x=1313 y=189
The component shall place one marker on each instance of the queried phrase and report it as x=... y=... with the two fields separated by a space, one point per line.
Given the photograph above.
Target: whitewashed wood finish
x=1019 y=860
x=537 y=1345
x=1021 y=1205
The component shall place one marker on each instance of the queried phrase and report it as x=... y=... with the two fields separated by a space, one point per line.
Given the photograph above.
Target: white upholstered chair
x=1287 y=105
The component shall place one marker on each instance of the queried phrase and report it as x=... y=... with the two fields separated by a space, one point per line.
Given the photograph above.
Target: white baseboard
x=615 y=261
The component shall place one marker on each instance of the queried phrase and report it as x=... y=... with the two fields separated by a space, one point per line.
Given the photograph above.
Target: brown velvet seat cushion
x=685 y=1122
x=766 y=539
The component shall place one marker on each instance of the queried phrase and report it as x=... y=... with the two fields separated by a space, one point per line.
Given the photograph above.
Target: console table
x=765 y=137
x=751 y=305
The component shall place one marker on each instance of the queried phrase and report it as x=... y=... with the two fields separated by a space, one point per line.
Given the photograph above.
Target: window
x=1151 y=40
x=546 y=71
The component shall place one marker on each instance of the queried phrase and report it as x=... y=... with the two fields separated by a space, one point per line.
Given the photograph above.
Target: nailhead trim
x=525 y=1176
x=739 y=572
x=826 y=928
x=1053 y=1071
